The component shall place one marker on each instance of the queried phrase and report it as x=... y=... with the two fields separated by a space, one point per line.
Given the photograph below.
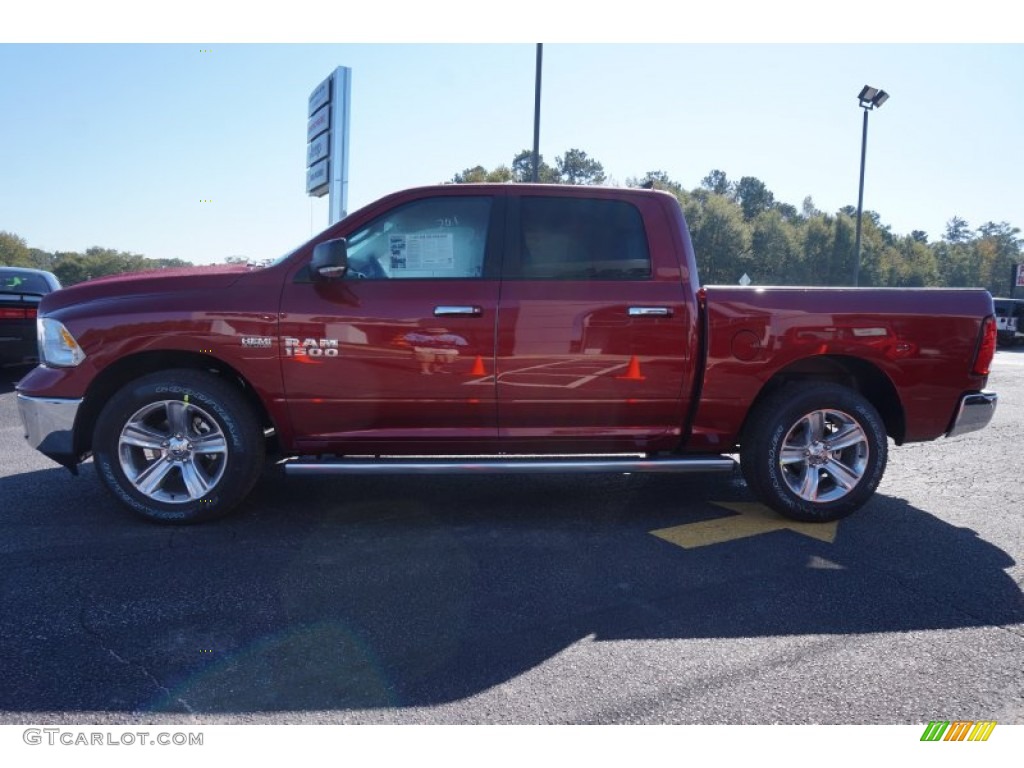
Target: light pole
x=535 y=173
x=870 y=98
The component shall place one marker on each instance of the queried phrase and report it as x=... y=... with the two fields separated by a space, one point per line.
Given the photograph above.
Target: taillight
x=8 y=313
x=987 y=349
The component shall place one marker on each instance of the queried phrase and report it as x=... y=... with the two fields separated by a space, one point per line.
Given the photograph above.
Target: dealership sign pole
x=327 y=141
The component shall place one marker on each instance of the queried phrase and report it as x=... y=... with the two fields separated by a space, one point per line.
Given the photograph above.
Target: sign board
x=1020 y=276
x=327 y=111
x=318 y=179
x=318 y=123
x=318 y=149
x=320 y=96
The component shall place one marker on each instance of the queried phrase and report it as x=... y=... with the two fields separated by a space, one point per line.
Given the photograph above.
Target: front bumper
x=975 y=412
x=50 y=426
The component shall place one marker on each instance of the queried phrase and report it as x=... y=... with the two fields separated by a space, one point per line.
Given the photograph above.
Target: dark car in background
x=1009 y=321
x=21 y=290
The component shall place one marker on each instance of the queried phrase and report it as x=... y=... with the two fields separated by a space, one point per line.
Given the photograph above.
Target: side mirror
x=330 y=260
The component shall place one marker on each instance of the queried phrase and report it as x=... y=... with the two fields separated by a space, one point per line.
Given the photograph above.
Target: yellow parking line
x=751 y=519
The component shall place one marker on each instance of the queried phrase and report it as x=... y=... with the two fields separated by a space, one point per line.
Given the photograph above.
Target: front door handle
x=457 y=311
x=650 y=312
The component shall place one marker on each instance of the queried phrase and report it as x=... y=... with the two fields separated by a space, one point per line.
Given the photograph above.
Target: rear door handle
x=457 y=311
x=650 y=312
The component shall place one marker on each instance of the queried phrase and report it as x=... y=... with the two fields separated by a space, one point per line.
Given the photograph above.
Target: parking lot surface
x=521 y=599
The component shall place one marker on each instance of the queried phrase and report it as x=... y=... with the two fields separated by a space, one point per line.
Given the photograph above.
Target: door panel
x=368 y=361
x=396 y=357
x=574 y=367
x=597 y=363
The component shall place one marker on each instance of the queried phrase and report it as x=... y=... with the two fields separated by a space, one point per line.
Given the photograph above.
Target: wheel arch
x=115 y=376
x=857 y=374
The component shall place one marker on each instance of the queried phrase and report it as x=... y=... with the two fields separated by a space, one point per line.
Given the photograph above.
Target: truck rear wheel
x=814 y=452
x=179 y=446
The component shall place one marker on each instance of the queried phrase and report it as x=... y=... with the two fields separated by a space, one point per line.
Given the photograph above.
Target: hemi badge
x=262 y=342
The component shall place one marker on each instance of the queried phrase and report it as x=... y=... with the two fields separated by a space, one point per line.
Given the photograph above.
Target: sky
x=179 y=147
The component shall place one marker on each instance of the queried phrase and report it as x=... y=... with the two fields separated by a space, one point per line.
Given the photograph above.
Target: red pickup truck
x=497 y=328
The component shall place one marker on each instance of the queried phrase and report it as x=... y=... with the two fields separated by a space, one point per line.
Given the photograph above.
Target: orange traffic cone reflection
x=632 y=371
x=478 y=367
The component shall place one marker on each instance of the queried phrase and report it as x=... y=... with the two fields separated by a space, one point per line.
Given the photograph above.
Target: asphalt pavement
x=521 y=599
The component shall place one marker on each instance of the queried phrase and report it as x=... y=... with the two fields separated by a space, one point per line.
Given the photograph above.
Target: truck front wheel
x=178 y=446
x=814 y=452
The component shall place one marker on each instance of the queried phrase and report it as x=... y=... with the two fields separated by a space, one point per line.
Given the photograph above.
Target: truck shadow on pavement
x=361 y=593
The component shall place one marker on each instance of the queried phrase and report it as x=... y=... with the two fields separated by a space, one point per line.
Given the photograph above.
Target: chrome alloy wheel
x=824 y=455
x=173 y=451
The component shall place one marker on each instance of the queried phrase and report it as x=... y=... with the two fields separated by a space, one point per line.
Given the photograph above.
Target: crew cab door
x=596 y=332
x=395 y=356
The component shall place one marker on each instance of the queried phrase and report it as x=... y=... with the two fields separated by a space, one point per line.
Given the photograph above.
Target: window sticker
x=423 y=251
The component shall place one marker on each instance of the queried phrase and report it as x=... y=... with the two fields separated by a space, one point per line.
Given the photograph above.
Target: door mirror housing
x=330 y=260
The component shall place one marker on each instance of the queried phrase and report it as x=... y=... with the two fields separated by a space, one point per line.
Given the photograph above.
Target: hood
x=158 y=281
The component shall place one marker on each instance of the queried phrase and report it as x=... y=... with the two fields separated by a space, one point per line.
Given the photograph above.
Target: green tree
x=788 y=212
x=815 y=265
x=721 y=239
x=773 y=248
x=39 y=259
x=919 y=267
x=884 y=230
x=471 y=175
x=957 y=265
x=14 y=250
x=479 y=175
x=107 y=261
x=522 y=169
x=753 y=196
x=576 y=167
x=879 y=259
x=716 y=182
x=998 y=249
x=957 y=230
x=843 y=240
x=169 y=263
x=70 y=267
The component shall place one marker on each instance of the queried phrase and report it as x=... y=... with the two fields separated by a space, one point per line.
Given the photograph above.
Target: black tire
x=791 y=463
x=179 y=446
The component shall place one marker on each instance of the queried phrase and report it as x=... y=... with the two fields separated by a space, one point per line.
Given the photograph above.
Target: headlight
x=57 y=347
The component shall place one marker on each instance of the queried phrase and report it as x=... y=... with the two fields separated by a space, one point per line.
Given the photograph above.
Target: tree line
x=72 y=267
x=738 y=227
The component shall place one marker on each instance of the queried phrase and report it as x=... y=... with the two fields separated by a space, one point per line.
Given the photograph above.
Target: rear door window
x=565 y=238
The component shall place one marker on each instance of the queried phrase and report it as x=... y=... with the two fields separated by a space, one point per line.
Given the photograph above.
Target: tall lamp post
x=870 y=98
x=535 y=172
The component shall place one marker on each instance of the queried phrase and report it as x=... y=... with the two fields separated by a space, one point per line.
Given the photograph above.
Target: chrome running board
x=485 y=465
